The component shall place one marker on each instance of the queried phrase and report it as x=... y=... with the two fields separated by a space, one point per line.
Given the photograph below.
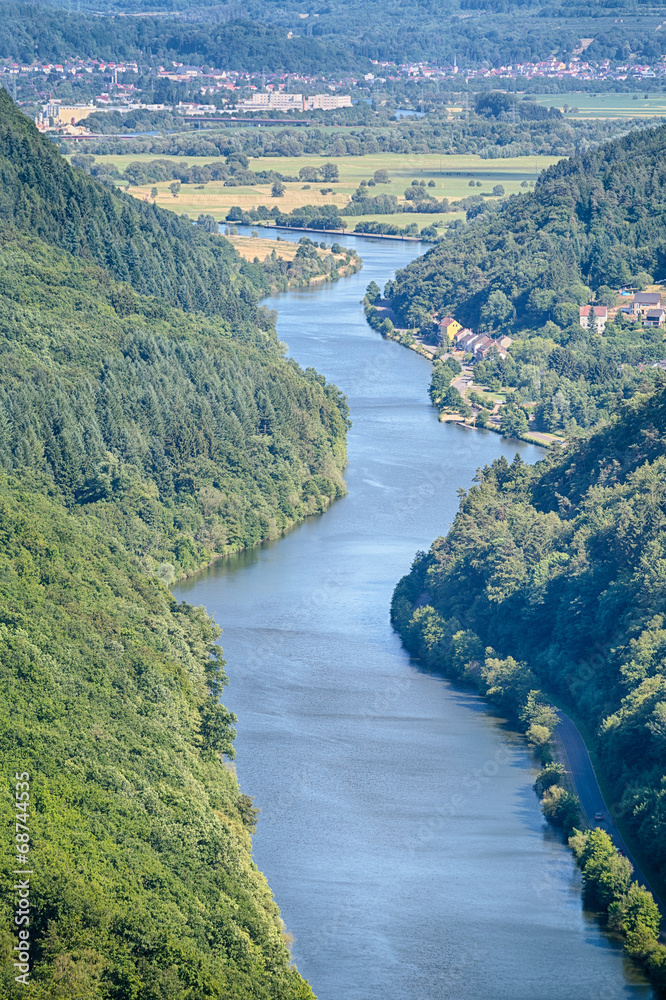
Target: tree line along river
x=398 y=830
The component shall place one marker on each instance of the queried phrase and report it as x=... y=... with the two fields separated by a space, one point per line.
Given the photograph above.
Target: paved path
x=587 y=788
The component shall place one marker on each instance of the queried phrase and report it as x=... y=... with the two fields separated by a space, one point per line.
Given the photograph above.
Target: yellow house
x=448 y=327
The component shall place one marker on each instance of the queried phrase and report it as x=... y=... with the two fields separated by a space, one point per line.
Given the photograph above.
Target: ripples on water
x=398 y=829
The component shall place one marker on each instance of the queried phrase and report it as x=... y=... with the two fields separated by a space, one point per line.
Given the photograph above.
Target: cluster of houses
x=479 y=345
x=646 y=306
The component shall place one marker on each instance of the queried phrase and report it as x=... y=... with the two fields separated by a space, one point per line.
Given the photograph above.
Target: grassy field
x=451 y=176
x=608 y=105
x=250 y=247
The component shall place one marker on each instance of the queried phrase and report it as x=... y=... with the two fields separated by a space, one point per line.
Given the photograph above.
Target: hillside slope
x=596 y=219
x=143 y=883
x=154 y=250
x=334 y=36
x=137 y=441
x=191 y=436
x=562 y=565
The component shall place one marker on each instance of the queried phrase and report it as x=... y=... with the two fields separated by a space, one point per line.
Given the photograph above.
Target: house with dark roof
x=654 y=317
x=465 y=340
x=644 y=301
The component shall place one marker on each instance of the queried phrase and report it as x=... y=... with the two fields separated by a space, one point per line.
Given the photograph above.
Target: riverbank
x=346 y=232
x=289 y=265
x=473 y=416
x=514 y=688
x=370 y=858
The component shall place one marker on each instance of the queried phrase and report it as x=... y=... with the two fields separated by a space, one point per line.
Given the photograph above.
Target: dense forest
x=138 y=439
x=337 y=37
x=489 y=137
x=28 y=31
x=152 y=249
x=525 y=266
x=594 y=220
x=559 y=568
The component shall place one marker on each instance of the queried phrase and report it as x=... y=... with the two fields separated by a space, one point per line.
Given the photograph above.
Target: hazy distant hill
x=335 y=37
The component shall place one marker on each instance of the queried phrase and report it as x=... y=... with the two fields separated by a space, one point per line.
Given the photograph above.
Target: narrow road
x=587 y=788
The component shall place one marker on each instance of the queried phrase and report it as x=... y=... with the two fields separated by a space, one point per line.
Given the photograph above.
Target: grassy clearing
x=451 y=176
x=490 y=398
x=250 y=247
x=608 y=105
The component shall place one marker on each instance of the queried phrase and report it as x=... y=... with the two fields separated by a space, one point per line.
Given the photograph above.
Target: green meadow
x=635 y=105
x=453 y=177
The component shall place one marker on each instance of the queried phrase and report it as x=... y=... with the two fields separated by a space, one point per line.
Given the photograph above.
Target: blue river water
x=398 y=830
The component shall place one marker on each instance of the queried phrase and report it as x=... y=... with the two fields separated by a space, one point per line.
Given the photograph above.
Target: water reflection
x=398 y=831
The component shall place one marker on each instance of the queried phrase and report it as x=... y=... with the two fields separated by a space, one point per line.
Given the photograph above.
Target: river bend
x=398 y=828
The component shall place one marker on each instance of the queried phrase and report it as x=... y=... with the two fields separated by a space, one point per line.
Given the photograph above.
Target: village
x=117 y=85
x=457 y=350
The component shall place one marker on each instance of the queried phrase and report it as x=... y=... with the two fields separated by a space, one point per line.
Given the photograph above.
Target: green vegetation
x=155 y=251
x=593 y=224
x=577 y=107
x=143 y=882
x=594 y=220
x=338 y=36
x=439 y=132
x=630 y=908
x=229 y=190
x=189 y=437
x=26 y=29
x=558 y=565
x=282 y=265
x=137 y=441
x=575 y=383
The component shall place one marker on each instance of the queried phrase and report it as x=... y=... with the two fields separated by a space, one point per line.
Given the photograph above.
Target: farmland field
x=607 y=105
x=250 y=247
x=451 y=176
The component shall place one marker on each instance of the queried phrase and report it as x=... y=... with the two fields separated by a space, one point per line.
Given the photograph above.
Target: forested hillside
x=143 y=884
x=561 y=566
x=137 y=441
x=157 y=252
x=333 y=36
x=596 y=219
x=52 y=35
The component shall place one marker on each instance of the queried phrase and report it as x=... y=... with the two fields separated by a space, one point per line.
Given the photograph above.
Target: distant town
x=120 y=86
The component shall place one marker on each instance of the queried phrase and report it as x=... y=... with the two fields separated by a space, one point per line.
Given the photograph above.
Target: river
x=399 y=831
